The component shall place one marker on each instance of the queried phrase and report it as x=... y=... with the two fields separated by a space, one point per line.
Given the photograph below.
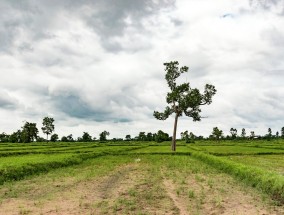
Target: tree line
x=218 y=134
x=29 y=133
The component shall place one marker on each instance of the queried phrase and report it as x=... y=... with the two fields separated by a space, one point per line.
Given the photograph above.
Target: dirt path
x=172 y=194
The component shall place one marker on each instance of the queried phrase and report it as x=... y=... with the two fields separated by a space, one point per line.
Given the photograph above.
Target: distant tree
x=243 y=133
x=47 y=126
x=217 y=133
x=192 y=137
x=252 y=135
x=200 y=137
x=70 y=138
x=103 y=135
x=86 y=137
x=184 y=135
x=269 y=135
x=234 y=133
x=277 y=134
x=94 y=138
x=40 y=139
x=15 y=137
x=142 y=136
x=282 y=132
x=54 y=137
x=29 y=132
x=182 y=98
x=149 y=136
x=4 y=138
x=64 y=139
x=128 y=137
x=161 y=136
x=188 y=137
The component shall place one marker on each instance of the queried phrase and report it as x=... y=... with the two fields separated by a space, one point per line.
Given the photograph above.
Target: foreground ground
x=138 y=182
x=148 y=184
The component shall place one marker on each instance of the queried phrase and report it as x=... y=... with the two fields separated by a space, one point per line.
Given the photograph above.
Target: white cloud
x=98 y=66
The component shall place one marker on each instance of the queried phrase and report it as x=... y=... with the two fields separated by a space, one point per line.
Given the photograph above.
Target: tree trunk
x=175 y=133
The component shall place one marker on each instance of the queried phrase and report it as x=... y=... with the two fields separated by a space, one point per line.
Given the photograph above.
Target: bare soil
x=138 y=188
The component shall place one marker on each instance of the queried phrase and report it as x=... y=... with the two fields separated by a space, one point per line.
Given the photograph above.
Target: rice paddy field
x=207 y=177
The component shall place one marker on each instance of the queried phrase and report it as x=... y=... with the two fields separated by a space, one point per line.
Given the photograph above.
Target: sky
x=96 y=65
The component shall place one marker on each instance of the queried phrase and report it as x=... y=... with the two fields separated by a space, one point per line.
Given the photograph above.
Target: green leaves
x=209 y=92
x=48 y=126
x=173 y=72
x=182 y=98
x=163 y=116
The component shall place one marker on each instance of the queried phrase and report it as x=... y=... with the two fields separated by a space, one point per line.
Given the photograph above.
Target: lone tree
x=128 y=137
x=86 y=137
x=243 y=133
x=217 y=133
x=47 y=126
x=182 y=98
x=29 y=132
x=234 y=133
x=103 y=135
x=269 y=135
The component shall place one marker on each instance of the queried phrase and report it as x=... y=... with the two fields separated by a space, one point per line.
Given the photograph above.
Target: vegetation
x=29 y=132
x=182 y=98
x=217 y=133
x=103 y=135
x=122 y=177
x=47 y=126
x=270 y=183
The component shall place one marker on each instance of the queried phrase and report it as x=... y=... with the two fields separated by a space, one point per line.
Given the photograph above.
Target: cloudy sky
x=97 y=65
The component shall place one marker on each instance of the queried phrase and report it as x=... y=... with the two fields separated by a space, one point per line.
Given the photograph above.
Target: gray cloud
x=266 y=4
x=115 y=17
x=110 y=19
x=7 y=101
x=73 y=106
x=98 y=65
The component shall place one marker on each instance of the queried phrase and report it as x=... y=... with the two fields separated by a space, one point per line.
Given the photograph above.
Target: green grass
x=267 y=182
x=268 y=162
x=18 y=167
x=235 y=149
x=17 y=161
x=162 y=149
x=246 y=161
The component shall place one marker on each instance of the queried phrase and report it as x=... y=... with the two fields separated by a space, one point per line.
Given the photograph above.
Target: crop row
x=236 y=150
x=18 y=167
x=265 y=181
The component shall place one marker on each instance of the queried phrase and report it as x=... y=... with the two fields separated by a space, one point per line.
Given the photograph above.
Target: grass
x=267 y=182
x=142 y=178
x=18 y=167
x=118 y=184
x=17 y=161
x=273 y=162
x=161 y=149
x=235 y=150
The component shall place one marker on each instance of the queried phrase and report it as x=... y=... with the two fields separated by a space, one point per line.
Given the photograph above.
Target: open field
x=237 y=149
x=121 y=178
x=268 y=162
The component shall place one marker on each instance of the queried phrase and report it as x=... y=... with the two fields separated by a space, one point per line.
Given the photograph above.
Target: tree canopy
x=47 y=126
x=183 y=99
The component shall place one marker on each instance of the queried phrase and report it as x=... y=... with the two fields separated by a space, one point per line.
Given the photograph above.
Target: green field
x=268 y=162
x=142 y=178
